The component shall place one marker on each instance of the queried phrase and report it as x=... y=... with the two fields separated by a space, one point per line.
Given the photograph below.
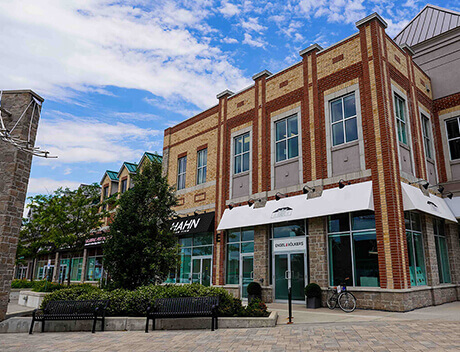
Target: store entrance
x=201 y=270
x=289 y=273
x=246 y=273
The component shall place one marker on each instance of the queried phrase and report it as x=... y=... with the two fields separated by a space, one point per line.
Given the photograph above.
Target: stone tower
x=14 y=178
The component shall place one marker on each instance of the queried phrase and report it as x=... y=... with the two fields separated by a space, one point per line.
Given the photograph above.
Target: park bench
x=183 y=307
x=71 y=310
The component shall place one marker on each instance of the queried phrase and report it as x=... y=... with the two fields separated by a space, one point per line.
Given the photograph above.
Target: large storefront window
x=75 y=271
x=289 y=229
x=195 y=255
x=94 y=268
x=441 y=251
x=240 y=243
x=415 y=249
x=353 y=249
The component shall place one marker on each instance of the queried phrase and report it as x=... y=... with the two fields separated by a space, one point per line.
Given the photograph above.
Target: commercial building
x=86 y=265
x=336 y=167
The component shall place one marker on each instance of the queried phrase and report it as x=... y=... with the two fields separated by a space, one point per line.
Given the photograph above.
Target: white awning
x=414 y=199
x=333 y=201
x=454 y=206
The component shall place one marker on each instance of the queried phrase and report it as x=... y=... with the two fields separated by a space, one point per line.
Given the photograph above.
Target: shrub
x=254 y=289
x=313 y=290
x=256 y=308
x=134 y=303
x=22 y=283
x=37 y=286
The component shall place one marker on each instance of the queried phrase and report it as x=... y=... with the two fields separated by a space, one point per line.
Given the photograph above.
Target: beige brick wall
x=293 y=76
x=244 y=100
x=421 y=77
x=351 y=52
x=194 y=129
x=393 y=51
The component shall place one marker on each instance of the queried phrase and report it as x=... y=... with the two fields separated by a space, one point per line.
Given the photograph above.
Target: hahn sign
x=193 y=224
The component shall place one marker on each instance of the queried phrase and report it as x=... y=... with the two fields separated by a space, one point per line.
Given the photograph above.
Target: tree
x=64 y=220
x=140 y=247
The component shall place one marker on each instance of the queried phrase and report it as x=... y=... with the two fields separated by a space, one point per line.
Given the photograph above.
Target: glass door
x=281 y=276
x=289 y=273
x=201 y=270
x=246 y=273
x=206 y=264
x=196 y=270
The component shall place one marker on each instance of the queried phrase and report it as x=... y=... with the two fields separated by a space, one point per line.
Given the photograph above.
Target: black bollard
x=290 y=305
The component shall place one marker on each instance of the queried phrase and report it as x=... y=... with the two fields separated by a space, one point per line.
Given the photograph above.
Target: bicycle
x=342 y=297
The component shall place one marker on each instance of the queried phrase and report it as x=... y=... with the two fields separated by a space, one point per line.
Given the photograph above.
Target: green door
x=247 y=267
x=281 y=275
x=290 y=273
x=297 y=276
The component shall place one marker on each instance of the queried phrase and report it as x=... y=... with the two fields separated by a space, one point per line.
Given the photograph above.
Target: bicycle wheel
x=331 y=299
x=347 y=302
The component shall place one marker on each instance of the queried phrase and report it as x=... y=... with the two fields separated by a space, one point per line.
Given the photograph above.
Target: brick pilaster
x=14 y=178
x=261 y=254
x=317 y=251
x=432 y=274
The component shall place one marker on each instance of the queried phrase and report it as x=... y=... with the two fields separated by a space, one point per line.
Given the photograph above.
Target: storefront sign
x=289 y=244
x=194 y=224
x=282 y=212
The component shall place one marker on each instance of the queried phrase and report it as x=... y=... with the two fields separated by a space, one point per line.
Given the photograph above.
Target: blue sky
x=115 y=74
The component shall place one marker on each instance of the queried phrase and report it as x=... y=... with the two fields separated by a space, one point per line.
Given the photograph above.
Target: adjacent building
x=335 y=169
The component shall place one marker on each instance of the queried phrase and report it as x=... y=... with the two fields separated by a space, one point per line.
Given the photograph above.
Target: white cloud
x=67 y=171
x=85 y=140
x=229 y=40
x=46 y=185
x=258 y=43
x=137 y=116
x=394 y=27
x=174 y=104
x=252 y=24
x=228 y=9
x=63 y=48
x=336 y=11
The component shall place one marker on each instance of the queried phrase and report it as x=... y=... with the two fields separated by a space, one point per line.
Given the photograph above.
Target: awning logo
x=282 y=212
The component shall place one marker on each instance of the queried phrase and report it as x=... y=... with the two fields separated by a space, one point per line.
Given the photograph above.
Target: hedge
x=37 y=286
x=135 y=302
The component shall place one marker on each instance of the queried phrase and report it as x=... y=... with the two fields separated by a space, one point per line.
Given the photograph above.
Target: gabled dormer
x=147 y=156
x=125 y=176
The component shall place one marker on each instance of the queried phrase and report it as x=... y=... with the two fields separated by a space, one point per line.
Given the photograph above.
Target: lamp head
x=230 y=206
x=341 y=184
x=440 y=189
x=450 y=195
x=250 y=202
x=307 y=189
x=279 y=195
x=426 y=185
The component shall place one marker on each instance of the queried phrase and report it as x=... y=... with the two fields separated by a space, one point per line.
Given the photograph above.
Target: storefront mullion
x=415 y=249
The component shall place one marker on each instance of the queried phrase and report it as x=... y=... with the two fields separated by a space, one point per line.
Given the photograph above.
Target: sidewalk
x=15 y=310
x=302 y=315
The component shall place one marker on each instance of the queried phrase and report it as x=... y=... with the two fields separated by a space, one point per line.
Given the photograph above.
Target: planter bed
x=22 y=324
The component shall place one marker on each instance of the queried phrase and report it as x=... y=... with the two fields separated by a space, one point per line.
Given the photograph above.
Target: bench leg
x=147 y=325
x=94 y=325
x=43 y=325
x=31 y=326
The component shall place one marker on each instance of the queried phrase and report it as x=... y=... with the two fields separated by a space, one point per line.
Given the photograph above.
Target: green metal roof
x=130 y=166
x=113 y=175
x=153 y=157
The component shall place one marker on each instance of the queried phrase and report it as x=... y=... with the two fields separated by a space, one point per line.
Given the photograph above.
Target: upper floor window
x=124 y=184
x=344 y=120
x=401 y=118
x=105 y=195
x=241 y=153
x=287 y=138
x=427 y=136
x=181 y=169
x=201 y=164
x=453 y=137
